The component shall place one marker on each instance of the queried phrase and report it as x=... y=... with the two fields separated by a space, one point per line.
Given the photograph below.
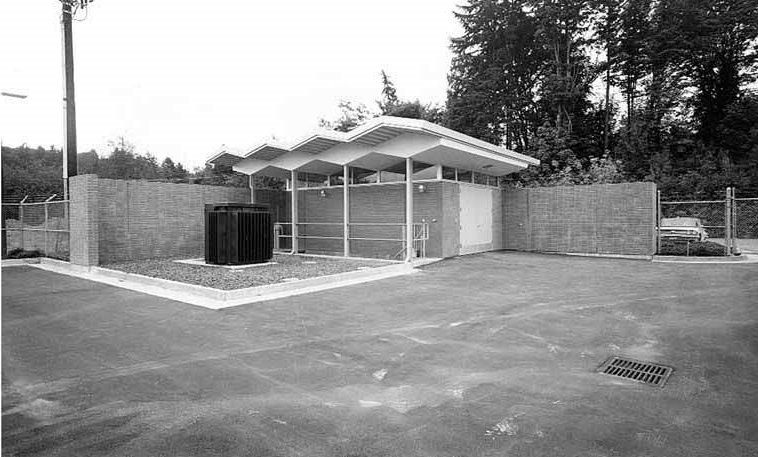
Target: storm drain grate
x=646 y=372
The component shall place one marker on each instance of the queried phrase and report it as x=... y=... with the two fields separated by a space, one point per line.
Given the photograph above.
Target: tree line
x=605 y=90
x=600 y=91
x=38 y=171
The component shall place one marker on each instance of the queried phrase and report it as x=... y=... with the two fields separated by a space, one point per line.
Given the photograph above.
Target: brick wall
x=130 y=220
x=371 y=204
x=83 y=217
x=599 y=219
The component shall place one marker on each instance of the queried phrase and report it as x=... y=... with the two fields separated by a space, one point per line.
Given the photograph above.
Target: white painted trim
x=345 y=211
x=20 y=262
x=389 y=183
x=410 y=126
x=294 y=209
x=232 y=151
x=409 y=252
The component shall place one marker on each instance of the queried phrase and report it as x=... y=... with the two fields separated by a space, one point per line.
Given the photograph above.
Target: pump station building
x=360 y=193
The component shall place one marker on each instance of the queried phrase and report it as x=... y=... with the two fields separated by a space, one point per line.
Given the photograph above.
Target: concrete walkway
x=482 y=355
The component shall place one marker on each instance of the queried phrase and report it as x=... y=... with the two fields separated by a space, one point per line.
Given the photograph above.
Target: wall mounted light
x=322 y=193
x=421 y=188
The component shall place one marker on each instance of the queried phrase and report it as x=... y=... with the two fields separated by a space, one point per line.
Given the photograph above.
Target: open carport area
x=491 y=354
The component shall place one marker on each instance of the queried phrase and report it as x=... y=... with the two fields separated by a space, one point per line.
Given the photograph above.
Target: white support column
x=252 y=188
x=293 y=197
x=439 y=172
x=409 y=254
x=345 y=211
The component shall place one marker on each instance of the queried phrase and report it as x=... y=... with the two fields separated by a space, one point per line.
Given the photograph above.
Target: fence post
x=735 y=229
x=658 y=223
x=728 y=222
x=4 y=236
x=21 y=220
x=47 y=202
x=45 y=227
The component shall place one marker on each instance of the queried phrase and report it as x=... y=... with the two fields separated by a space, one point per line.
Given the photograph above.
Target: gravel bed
x=287 y=267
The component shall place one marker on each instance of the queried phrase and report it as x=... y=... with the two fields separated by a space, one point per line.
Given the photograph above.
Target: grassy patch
x=696 y=248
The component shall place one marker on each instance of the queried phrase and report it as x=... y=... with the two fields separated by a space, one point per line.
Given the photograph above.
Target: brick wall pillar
x=83 y=220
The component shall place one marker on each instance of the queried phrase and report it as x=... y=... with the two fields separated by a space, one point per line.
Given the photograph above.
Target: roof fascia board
x=343 y=154
x=444 y=132
x=250 y=166
x=293 y=160
x=482 y=153
x=465 y=139
x=321 y=134
x=407 y=145
x=221 y=151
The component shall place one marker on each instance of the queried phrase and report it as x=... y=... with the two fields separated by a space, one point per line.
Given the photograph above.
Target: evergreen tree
x=496 y=68
x=389 y=95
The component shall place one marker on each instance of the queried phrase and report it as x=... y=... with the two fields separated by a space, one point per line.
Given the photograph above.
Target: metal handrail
x=420 y=233
x=36 y=203
x=692 y=201
x=380 y=224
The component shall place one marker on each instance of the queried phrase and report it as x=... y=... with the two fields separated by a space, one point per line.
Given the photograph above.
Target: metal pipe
x=409 y=254
x=293 y=201
x=345 y=211
x=658 y=223
x=728 y=222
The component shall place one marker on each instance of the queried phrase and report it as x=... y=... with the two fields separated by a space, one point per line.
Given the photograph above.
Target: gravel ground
x=287 y=267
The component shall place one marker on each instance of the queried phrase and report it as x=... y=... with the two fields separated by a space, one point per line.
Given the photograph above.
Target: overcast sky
x=179 y=78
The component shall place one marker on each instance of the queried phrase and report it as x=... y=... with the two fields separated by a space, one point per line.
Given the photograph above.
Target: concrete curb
x=741 y=259
x=208 y=297
x=586 y=254
x=611 y=256
x=20 y=262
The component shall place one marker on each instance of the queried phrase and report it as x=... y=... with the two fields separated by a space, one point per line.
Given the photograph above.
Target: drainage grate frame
x=650 y=373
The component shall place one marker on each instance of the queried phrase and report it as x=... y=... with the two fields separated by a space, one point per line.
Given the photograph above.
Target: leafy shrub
x=19 y=253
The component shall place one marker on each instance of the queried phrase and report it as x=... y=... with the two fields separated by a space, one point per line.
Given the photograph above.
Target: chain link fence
x=35 y=229
x=708 y=227
x=746 y=224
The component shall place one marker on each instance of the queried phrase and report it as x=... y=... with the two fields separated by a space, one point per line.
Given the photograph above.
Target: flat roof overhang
x=380 y=143
x=226 y=155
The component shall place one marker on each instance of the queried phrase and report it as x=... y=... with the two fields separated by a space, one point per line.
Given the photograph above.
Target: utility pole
x=69 y=144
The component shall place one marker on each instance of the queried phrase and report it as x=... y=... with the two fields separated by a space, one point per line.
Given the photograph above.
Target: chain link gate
x=745 y=222
x=36 y=226
x=707 y=227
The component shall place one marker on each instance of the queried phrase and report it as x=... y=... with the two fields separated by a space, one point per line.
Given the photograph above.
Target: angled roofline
x=224 y=150
x=400 y=123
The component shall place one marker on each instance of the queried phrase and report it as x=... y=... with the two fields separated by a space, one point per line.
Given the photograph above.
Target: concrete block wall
x=132 y=220
x=114 y=220
x=83 y=216
x=616 y=219
x=371 y=204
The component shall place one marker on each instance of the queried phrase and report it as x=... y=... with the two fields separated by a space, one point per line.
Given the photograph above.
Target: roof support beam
x=345 y=210
x=409 y=252
x=293 y=204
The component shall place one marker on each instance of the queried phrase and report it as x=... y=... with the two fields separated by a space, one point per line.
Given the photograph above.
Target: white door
x=476 y=219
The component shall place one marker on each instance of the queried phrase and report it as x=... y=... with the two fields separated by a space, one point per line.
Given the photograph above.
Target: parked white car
x=683 y=228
